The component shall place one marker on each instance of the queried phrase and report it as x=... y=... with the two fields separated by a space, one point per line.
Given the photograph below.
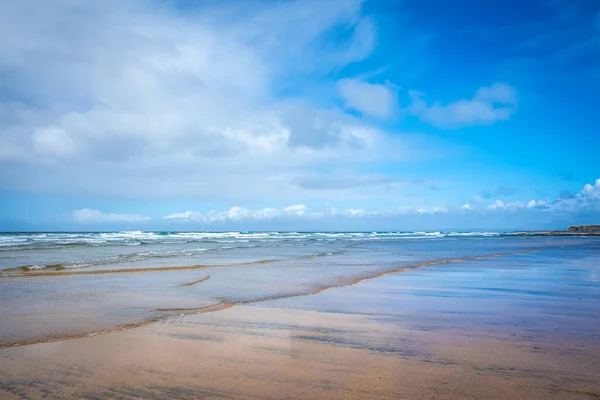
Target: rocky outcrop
x=578 y=230
x=584 y=229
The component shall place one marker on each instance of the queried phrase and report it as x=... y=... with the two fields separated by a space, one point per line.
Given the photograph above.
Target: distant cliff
x=578 y=230
x=584 y=229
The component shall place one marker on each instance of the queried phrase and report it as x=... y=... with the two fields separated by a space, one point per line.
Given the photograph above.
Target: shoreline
x=226 y=303
x=18 y=272
x=379 y=339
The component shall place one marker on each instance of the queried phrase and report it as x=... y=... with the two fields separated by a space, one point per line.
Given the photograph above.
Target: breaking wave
x=26 y=241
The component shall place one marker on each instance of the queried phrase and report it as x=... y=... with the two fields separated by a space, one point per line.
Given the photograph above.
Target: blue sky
x=299 y=115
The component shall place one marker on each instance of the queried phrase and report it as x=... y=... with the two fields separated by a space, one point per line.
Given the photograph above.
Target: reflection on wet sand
x=231 y=299
x=252 y=352
x=509 y=328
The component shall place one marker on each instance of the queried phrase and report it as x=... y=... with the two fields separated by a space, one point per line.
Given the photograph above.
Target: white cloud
x=266 y=213
x=188 y=215
x=53 y=141
x=585 y=203
x=496 y=205
x=490 y=104
x=298 y=209
x=592 y=191
x=147 y=101
x=500 y=205
x=348 y=212
x=356 y=212
x=236 y=213
x=86 y=215
x=537 y=204
x=434 y=210
x=588 y=199
x=376 y=100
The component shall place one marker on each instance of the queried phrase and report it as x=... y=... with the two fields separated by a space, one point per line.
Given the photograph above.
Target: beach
x=424 y=316
x=299 y=200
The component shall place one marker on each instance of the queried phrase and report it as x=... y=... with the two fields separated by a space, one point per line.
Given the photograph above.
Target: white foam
x=138 y=238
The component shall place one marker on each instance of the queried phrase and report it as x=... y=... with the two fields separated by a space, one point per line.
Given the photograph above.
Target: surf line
x=229 y=303
x=12 y=273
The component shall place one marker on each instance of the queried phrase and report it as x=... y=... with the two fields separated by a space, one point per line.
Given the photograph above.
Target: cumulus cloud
x=298 y=209
x=586 y=202
x=94 y=216
x=592 y=191
x=584 y=205
x=355 y=212
x=234 y=214
x=537 y=204
x=376 y=100
x=238 y=213
x=500 y=205
x=142 y=100
x=188 y=215
x=496 y=205
x=489 y=104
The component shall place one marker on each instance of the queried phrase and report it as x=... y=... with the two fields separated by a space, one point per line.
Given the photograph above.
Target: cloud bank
x=583 y=203
x=145 y=99
x=141 y=98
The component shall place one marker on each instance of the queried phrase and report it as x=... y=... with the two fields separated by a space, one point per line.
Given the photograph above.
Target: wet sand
x=483 y=330
x=249 y=352
x=27 y=325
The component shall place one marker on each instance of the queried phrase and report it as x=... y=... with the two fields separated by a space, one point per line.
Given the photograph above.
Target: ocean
x=60 y=285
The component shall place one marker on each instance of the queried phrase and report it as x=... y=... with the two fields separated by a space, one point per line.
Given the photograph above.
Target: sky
x=299 y=115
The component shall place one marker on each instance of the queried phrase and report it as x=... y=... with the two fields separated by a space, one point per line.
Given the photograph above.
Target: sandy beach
x=249 y=352
x=442 y=332
x=299 y=200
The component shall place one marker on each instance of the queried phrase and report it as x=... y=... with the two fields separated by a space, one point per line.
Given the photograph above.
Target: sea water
x=114 y=279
